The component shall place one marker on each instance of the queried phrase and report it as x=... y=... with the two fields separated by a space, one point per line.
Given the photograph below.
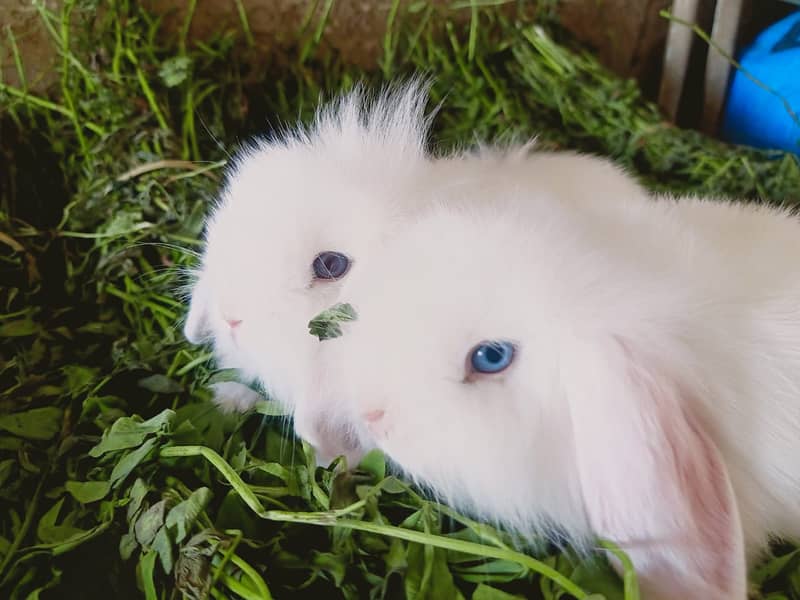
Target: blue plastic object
x=753 y=116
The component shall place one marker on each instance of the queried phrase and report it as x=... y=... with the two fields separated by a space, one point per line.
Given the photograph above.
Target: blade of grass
x=23 y=530
x=12 y=40
x=248 y=34
x=51 y=106
x=334 y=518
x=630 y=582
x=147 y=90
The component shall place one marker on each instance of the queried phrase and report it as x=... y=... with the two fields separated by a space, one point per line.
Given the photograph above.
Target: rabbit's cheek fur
x=329 y=436
x=449 y=444
x=323 y=420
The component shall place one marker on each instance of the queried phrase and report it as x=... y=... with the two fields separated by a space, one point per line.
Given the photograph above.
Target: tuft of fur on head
x=393 y=121
x=342 y=184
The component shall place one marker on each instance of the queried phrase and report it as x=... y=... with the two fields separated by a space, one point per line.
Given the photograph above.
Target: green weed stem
x=248 y=34
x=66 y=11
x=334 y=518
x=147 y=90
x=47 y=18
x=51 y=106
x=23 y=530
x=12 y=40
x=629 y=580
x=262 y=590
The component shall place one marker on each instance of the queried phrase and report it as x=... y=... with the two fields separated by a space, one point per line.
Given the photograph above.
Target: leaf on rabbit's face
x=326 y=324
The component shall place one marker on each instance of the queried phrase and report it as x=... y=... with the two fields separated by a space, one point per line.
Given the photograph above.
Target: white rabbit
x=632 y=374
x=473 y=176
x=296 y=215
x=339 y=187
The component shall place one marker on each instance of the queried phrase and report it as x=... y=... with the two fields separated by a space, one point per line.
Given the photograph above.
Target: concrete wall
x=628 y=34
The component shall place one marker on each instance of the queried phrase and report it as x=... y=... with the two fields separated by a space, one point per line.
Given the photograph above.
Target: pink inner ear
x=653 y=481
x=695 y=483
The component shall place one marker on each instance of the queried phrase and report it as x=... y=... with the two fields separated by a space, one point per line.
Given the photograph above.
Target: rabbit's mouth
x=376 y=424
x=327 y=453
x=234 y=333
x=233 y=341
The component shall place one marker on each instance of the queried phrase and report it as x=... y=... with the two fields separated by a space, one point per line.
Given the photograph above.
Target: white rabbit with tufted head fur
x=294 y=219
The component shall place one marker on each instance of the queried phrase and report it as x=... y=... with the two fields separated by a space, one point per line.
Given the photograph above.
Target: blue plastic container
x=753 y=116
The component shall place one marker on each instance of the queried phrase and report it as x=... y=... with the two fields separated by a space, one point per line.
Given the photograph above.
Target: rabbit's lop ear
x=197 y=325
x=652 y=480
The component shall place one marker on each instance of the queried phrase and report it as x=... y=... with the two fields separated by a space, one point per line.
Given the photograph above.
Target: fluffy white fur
x=655 y=395
x=488 y=171
x=340 y=185
x=343 y=184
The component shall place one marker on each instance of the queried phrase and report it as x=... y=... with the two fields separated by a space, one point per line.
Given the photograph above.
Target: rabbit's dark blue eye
x=330 y=265
x=491 y=357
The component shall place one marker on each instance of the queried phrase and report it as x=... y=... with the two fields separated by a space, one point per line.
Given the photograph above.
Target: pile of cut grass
x=116 y=474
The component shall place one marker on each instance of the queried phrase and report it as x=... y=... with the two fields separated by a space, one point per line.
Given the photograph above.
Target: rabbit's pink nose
x=373 y=416
x=233 y=323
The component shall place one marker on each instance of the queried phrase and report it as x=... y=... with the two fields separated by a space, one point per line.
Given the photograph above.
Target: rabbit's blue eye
x=491 y=357
x=330 y=265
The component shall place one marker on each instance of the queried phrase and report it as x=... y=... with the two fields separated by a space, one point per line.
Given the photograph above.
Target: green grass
x=116 y=474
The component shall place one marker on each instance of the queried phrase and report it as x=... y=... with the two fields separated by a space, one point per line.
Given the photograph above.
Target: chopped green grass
x=117 y=476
